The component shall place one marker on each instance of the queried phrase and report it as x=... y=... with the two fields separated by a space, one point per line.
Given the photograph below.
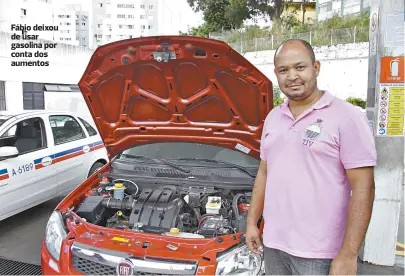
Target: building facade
x=329 y=8
x=82 y=26
x=26 y=12
x=115 y=20
x=71 y=21
x=65 y=19
x=303 y=10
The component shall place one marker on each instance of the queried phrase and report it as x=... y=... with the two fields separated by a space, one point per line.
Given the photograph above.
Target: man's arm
x=359 y=214
x=360 y=209
x=253 y=239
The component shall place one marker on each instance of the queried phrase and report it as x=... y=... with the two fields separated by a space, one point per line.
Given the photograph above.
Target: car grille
x=92 y=268
x=95 y=261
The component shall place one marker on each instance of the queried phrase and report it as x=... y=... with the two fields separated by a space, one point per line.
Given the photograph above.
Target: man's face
x=296 y=72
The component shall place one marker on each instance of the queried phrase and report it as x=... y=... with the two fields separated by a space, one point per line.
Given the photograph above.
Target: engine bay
x=174 y=210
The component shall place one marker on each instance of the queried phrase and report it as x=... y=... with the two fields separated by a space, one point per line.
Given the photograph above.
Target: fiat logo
x=125 y=268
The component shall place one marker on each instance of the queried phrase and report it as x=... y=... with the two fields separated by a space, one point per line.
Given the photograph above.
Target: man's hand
x=343 y=265
x=253 y=236
x=253 y=239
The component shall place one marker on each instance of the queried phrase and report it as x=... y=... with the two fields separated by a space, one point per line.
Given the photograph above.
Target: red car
x=181 y=119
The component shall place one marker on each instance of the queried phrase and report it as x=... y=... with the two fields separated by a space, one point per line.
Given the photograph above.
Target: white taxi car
x=43 y=155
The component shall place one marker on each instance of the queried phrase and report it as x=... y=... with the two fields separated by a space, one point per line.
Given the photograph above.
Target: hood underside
x=192 y=89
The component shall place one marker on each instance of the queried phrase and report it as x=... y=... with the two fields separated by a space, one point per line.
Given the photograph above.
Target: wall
x=344 y=68
x=66 y=63
x=66 y=66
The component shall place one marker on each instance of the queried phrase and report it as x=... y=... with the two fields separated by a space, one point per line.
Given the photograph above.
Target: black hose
x=117 y=204
x=235 y=205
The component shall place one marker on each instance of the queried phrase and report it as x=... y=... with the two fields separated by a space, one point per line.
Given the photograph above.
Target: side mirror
x=8 y=152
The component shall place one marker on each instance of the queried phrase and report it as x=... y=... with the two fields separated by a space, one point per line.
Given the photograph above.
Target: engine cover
x=158 y=210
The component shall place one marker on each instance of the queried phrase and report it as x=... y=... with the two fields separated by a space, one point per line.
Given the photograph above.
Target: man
x=315 y=184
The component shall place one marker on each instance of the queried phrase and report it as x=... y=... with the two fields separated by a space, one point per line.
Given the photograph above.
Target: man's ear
x=317 y=67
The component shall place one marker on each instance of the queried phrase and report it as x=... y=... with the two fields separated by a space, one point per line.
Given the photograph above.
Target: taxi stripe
x=4 y=174
x=67 y=154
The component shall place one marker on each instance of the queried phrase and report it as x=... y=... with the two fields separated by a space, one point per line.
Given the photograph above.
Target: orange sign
x=392 y=70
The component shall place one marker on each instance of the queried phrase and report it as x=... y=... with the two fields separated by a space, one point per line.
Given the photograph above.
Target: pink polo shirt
x=307 y=192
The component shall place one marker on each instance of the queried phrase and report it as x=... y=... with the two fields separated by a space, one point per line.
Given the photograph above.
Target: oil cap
x=174 y=231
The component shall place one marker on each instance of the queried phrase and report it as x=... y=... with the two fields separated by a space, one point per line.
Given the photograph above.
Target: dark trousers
x=278 y=262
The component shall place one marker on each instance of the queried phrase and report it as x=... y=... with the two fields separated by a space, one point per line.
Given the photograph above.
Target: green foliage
x=277 y=96
x=357 y=102
x=236 y=12
x=267 y=8
x=230 y=14
x=214 y=15
x=336 y=30
x=202 y=31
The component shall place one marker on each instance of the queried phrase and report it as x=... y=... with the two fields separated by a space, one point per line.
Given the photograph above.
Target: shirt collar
x=324 y=101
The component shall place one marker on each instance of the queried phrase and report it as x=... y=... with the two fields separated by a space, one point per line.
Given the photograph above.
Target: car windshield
x=183 y=150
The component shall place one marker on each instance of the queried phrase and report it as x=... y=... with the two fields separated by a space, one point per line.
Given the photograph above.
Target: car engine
x=184 y=211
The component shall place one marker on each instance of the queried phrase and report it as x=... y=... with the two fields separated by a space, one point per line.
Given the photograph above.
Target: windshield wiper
x=221 y=162
x=171 y=164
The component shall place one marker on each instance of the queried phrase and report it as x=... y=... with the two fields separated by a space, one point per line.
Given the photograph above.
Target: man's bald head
x=296 y=42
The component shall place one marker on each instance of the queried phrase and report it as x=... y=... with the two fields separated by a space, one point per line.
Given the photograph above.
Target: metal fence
x=241 y=43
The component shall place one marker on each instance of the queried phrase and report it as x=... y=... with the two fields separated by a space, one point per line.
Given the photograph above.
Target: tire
x=96 y=166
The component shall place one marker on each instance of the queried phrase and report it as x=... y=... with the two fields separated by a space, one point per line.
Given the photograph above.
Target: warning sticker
x=391 y=109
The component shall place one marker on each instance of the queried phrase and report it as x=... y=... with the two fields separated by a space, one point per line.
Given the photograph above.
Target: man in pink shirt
x=315 y=184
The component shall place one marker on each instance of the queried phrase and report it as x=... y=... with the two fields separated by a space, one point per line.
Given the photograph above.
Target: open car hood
x=176 y=88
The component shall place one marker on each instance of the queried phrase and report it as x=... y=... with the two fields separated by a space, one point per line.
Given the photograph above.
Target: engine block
x=157 y=210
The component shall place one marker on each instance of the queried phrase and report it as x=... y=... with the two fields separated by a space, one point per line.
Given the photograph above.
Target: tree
x=214 y=15
x=271 y=8
x=236 y=12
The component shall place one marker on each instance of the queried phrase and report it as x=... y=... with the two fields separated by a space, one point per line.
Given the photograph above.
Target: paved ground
x=21 y=238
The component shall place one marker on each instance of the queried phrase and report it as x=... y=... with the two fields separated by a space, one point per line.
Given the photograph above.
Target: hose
x=117 y=204
x=235 y=205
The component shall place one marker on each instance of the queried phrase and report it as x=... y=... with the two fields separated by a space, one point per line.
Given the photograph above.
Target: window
x=151 y=7
x=175 y=150
x=142 y=6
x=33 y=96
x=3 y=105
x=150 y=27
x=65 y=129
x=26 y=136
x=88 y=127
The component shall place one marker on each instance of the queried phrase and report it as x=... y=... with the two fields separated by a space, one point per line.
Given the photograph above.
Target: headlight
x=239 y=261
x=55 y=234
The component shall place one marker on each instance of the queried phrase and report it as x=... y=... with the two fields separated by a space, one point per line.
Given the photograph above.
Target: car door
x=97 y=148
x=71 y=146
x=26 y=180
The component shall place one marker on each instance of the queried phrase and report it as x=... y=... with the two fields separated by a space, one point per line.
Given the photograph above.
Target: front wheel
x=96 y=166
